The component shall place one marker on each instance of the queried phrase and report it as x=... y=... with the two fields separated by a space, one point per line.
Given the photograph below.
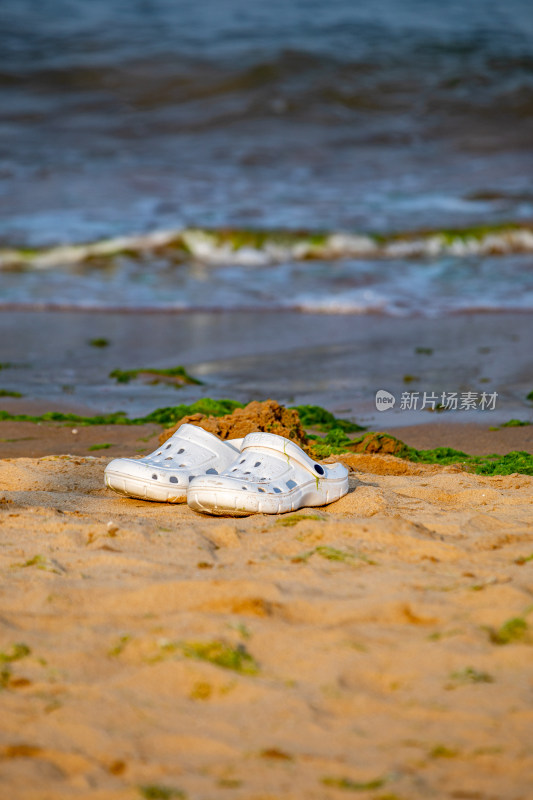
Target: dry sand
x=375 y=625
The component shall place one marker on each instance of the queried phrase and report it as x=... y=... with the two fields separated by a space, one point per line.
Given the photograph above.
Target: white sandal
x=271 y=475
x=164 y=475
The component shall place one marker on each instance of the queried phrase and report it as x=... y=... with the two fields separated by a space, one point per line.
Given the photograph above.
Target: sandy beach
x=381 y=645
x=310 y=219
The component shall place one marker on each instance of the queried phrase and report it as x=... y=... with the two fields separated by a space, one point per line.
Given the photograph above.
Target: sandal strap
x=290 y=450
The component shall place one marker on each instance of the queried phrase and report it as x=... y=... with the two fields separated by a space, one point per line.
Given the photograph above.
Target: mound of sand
x=267 y=416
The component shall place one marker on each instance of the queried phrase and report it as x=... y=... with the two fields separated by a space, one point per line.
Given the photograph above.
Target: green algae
x=334 y=554
x=15 y=653
x=161 y=416
x=529 y=396
x=206 y=405
x=116 y=418
x=353 y=786
x=155 y=791
x=471 y=675
x=511 y=423
x=294 y=519
x=438 y=455
x=39 y=562
x=516 y=461
x=513 y=630
x=99 y=342
x=257 y=239
x=344 y=556
x=117 y=649
x=323 y=420
x=450 y=235
x=494 y=464
x=334 y=443
x=36 y=561
x=222 y=655
x=10 y=393
x=177 y=375
x=477 y=232
x=103 y=446
x=442 y=751
x=5 y=677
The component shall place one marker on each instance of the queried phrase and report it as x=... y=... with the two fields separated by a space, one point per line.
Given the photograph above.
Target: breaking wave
x=260 y=248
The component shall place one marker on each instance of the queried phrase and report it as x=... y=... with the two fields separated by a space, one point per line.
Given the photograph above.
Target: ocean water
x=128 y=118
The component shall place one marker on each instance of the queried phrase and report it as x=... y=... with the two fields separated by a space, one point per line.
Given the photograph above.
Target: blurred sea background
x=128 y=118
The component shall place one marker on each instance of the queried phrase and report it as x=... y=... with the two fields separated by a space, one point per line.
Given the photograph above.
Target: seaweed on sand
x=223 y=655
x=177 y=376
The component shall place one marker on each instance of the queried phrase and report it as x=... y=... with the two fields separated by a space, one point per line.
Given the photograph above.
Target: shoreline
x=335 y=361
x=37 y=440
x=66 y=308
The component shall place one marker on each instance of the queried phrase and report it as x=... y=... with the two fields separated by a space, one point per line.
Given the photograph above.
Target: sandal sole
x=129 y=486
x=227 y=502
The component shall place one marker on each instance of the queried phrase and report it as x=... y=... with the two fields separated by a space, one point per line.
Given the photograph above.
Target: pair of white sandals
x=262 y=473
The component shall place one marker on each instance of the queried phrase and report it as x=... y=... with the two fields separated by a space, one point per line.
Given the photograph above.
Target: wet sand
x=34 y=440
x=337 y=361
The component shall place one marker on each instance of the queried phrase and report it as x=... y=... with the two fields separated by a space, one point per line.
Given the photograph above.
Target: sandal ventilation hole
x=181 y=450
x=242 y=461
x=277 y=490
x=169 y=458
x=245 y=488
x=290 y=484
x=211 y=471
x=260 y=489
x=168 y=445
x=257 y=464
x=154 y=477
x=173 y=479
x=319 y=469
